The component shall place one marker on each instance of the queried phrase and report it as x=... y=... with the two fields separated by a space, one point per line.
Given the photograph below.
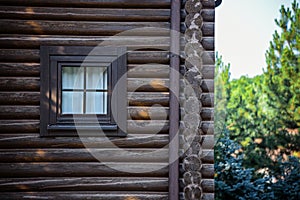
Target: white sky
x=244 y=29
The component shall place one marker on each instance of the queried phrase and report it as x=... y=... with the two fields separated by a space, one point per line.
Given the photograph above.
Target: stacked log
x=196 y=127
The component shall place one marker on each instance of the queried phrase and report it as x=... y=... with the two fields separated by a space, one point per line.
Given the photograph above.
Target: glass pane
x=72 y=78
x=72 y=102
x=96 y=102
x=96 y=78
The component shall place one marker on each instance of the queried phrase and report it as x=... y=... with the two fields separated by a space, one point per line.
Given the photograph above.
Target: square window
x=77 y=84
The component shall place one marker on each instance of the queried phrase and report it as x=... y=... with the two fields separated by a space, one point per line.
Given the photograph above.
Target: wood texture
x=207 y=185
x=79 y=27
x=10 y=141
x=81 y=169
x=131 y=42
x=19 y=98
x=148 y=71
x=19 y=126
x=133 y=126
x=19 y=84
x=148 y=113
x=147 y=127
x=134 y=57
x=83 y=184
x=147 y=85
x=19 y=112
x=79 y=195
x=207 y=171
x=20 y=69
x=83 y=14
x=84 y=155
x=92 y=3
x=148 y=99
x=207 y=114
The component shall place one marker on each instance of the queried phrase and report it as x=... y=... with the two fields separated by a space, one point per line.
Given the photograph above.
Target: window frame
x=52 y=121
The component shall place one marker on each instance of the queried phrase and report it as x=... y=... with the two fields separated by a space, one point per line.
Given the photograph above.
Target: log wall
x=57 y=168
x=197 y=89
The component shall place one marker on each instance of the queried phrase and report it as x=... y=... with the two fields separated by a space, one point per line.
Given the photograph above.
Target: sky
x=244 y=29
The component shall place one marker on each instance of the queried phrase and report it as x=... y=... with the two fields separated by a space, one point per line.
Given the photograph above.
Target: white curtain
x=96 y=101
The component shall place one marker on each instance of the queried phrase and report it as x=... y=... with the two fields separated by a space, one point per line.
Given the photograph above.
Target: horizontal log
x=208 y=43
x=207 y=85
x=207 y=99
x=80 y=169
x=131 y=141
x=147 y=85
x=134 y=98
x=20 y=69
x=207 y=142
x=208 y=185
x=205 y=196
x=131 y=42
x=208 y=15
x=19 y=55
x=79 y=195
x=83 y=14
x=148 y=98
x=208 y=58
x=207 y=127
x=148 y=71
x=208 y=4
x=133 y=126
x=19 y=84
x=84 y=184
x=19 y=112
x=207 y=114
x=92 y=3
x=207 y=156
x=84 y=155
x=136 y=113
x=19 y=98
x=39 y=27
x=207 y=170
x=19 y=126
x=208 y=71
x=148 y=113
x=147 y=126
x=208 y=29
x=134 y=57
x=147 y=57
x=94 y=28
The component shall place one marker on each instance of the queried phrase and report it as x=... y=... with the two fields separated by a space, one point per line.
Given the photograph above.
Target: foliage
x=221 y=80
x=253 y=156
x=259 y=111
x=233 y=181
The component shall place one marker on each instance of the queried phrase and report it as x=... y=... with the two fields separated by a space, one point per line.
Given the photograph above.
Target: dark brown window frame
x=52 y=122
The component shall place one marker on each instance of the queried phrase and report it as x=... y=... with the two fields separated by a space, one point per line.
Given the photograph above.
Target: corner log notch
x=193 y=130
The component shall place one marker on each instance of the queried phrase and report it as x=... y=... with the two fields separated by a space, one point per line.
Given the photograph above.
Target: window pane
x=72 y=78
x=72 y=102
x=96 y=78
x=96 y=102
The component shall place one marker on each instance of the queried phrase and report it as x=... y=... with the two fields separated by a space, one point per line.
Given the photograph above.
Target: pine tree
x=282 y=76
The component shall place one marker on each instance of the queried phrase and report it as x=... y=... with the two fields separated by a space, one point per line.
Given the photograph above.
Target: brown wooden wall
x=61 y=168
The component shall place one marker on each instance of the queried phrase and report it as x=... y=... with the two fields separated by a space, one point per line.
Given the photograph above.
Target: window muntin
x=84 y=90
